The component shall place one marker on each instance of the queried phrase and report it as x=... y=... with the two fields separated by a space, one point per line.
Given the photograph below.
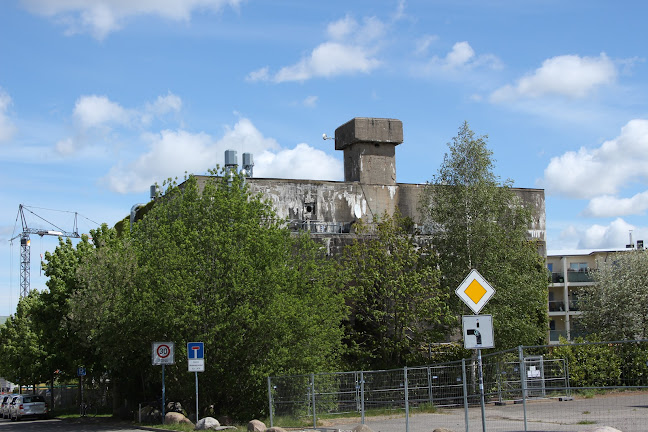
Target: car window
x=33 y=398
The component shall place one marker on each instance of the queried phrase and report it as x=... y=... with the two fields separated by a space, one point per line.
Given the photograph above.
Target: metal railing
x=526 y=375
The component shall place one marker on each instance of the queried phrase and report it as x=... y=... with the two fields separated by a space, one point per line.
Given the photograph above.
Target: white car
x=28 y=406
x=5 y=400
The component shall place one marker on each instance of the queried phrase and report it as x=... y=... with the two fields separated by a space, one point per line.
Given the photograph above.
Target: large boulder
x=442 y=430
x=207 y=423
x=256 y=426
x=362 y=428
x=149 y=414
x=176 y=418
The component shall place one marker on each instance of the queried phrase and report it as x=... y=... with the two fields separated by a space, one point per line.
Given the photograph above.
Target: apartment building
x=570 y=271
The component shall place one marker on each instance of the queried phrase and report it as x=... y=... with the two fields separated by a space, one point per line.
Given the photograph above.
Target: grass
x=307 y=421
x=586 y=422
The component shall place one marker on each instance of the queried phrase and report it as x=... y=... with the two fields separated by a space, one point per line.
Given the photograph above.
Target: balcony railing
x=556 y=305
x=572 y=276
x=579 y=276
x=319 y=227
x=557 y=278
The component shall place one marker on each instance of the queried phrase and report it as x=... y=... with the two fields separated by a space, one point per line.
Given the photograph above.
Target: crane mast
x=25 y=253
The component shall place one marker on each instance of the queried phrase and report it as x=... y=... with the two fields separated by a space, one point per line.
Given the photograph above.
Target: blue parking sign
x=196 y=350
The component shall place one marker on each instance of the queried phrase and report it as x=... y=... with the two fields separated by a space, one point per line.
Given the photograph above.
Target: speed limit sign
x=162 y=353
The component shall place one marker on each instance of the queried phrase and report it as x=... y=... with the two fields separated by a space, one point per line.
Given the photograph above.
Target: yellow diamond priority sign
x=475 y=291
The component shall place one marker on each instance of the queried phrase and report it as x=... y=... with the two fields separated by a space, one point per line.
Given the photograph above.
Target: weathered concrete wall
x=346 y=202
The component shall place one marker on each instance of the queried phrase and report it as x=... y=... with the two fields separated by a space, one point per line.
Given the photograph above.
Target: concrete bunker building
x=328 y=209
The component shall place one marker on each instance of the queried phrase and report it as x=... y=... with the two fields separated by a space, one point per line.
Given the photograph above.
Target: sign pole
x=481 y=389
x=196 y=397
x=163 y=396
x=81 y=407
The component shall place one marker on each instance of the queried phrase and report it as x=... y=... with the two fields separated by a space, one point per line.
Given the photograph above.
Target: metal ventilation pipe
x=248 y=164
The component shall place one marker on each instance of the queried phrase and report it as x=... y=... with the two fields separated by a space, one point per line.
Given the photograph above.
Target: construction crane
x=25 y=260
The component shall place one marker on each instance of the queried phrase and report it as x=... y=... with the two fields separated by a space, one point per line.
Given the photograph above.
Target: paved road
x=54 y=425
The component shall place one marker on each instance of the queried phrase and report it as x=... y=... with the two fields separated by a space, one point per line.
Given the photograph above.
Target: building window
x=550 y=267
x=578 y=266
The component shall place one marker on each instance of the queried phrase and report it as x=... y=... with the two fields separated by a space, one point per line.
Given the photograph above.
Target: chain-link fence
x=540 y=388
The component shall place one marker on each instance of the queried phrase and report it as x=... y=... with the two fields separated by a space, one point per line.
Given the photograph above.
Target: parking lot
x=627 y=412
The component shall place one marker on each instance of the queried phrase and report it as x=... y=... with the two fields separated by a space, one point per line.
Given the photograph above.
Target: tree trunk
x=116 y=405
x=52 y=392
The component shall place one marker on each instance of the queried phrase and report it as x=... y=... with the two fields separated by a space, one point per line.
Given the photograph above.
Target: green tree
x=616 y=306
x=209 y=262
x=23 y=357
x=477 y=222
x=52 y=313
x=397 y=309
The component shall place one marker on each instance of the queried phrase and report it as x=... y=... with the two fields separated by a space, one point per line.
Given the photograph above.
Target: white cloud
x=609 y=206
x=351 y=49
x=171 y=153
x=310 y=101
x=462 y=57
x=96 y=111
x=423 y=44
x=567 y=75
x=7 y=128
x=95 y=117
x=301 y=162
x=604 y=170
x=101 y=17
x=614 y=235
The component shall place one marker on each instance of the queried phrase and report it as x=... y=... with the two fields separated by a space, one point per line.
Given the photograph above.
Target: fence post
x=429 y=377
x=406 y=400
x=362 y=398
x=270 y=400
x=465 y=391
x=312 y=375
x=523 y=383
x=567 y=372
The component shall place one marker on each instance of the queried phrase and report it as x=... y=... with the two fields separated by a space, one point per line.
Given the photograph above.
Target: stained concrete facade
x=328 y=209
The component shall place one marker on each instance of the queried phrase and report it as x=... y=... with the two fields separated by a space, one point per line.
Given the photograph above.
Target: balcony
x=579 y=276
x=556 y=306
x=557 y=278
x=574 y=305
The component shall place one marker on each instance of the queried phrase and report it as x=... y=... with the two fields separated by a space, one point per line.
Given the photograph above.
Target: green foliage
x=590 y=365
x=476 y=222
x=52 y=314
x=616 y=307
x=23 y=357
x=397 y=309
x=209 y=262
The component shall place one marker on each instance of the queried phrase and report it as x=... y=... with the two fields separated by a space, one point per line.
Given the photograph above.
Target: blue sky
x=99 y=99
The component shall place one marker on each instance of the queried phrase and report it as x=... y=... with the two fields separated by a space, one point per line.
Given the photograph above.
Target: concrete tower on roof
x=369 y=146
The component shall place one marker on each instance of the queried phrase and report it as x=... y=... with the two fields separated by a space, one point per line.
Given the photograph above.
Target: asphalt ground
x=627 y=412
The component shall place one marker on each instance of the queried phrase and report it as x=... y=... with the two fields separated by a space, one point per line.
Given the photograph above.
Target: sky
x=99 y=99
